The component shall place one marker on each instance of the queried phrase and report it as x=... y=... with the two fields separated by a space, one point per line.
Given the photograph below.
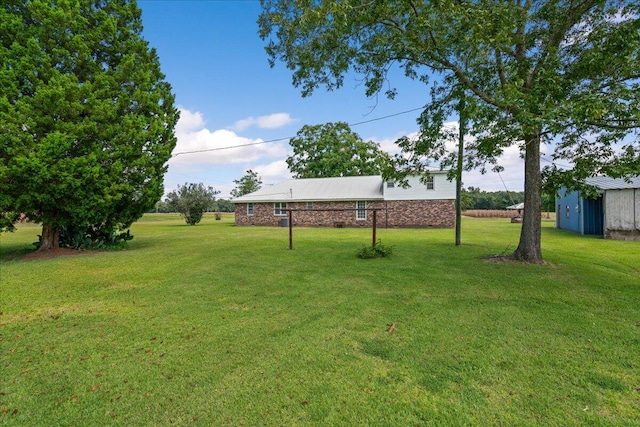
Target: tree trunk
x=50 y=237
x=529 y=248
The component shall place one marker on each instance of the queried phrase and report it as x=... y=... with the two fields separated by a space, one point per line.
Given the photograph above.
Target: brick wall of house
x=398 y=213
x=263 y=214
x=421 y=213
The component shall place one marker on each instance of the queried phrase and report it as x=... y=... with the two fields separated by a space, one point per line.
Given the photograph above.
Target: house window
x=391 y=184
x=567 y=212
x=361 y=212
x=279 y=208
x=429 y=183
x=249 y=208
x=309 y=205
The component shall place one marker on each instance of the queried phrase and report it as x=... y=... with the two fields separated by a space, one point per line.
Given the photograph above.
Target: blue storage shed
x=614 y=214
x=580 y=215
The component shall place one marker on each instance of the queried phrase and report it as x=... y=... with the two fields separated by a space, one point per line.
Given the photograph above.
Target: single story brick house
x=614 y=214
x=350 y=201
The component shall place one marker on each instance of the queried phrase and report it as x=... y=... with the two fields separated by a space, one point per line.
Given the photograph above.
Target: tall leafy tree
x=333 y=149
x=249 y=183
x=192 y=201
x=86 y=117
x=534 y=72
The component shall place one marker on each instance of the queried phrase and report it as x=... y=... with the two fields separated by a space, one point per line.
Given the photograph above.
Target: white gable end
x=442 y=189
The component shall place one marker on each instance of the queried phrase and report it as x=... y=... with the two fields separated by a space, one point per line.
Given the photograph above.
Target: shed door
x=593 y=216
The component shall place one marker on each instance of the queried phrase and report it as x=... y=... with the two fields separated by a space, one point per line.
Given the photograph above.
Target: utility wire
x=289 y=137
x=505 y=187
x=232 y=146
x=554 y=163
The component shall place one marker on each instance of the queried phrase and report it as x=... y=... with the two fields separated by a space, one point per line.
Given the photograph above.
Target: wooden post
x=463 y=123
x=375 y=223
x=290 y=230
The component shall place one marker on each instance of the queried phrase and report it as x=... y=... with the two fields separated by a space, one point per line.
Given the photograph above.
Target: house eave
x=354 y=199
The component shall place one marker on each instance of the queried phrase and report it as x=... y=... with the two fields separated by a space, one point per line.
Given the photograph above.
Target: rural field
x=217 y=325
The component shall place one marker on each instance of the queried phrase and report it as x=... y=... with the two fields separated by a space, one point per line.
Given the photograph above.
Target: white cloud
x=274 y=172
x=274 y=121
x=510 y=179
x=189 y=121
x=199 y=145
x=389 y=144
x=271 y=121
x=225 y=190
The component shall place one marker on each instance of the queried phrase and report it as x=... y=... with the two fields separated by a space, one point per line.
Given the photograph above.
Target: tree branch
x=464 y=79
x=572 y=17
x=390 y=23
x=521 y=48
x=500 y=65
x=610 y=125
x=413 y=6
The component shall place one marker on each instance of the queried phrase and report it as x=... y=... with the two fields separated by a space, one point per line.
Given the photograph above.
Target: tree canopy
x=535 y=72
x=86 y=117
x=249 y=183
x=333 y=149
x=224 y=205
x=192 y=201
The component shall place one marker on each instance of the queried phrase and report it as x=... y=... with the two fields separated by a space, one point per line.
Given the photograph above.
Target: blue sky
x=228 y=95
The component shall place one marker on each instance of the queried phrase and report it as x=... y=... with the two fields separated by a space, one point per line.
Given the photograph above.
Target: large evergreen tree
x=533 y=71
x=86 y=117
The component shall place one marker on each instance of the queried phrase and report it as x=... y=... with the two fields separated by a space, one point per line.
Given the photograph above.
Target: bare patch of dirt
x=56 y=253
x=506 y=259
x=499 y=259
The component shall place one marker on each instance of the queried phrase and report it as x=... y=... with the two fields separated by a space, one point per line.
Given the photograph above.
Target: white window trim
x=281 y=209
x=431 y=183
x=358 y=209
x=250 y=209
x=309 y=205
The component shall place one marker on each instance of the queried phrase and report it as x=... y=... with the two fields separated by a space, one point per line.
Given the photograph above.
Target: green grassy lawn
x=222 y=325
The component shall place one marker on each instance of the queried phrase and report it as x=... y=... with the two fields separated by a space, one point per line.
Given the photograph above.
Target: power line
x=388 y=116
x=232 y=146
x=554 y=163
x=289 y=137
x=505 y=187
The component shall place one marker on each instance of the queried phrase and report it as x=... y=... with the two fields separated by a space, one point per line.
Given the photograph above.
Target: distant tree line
x=220 y=205
x=474 y=198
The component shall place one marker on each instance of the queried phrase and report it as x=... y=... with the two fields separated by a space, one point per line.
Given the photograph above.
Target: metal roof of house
x=317 y=189
x=608 y=183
